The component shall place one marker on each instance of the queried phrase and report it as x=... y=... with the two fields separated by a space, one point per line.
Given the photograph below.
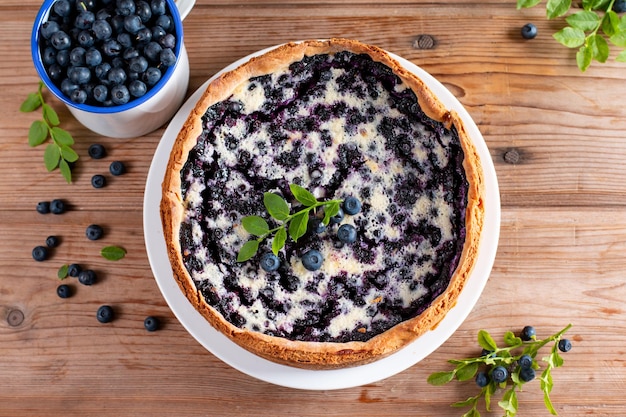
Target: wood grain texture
x=560 y=256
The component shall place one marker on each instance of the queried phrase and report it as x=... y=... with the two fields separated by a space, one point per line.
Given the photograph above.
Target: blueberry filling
x=343 y=125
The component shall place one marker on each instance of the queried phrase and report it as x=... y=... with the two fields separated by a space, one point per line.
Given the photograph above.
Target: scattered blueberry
x=499 y=374
x=73 y=270
x=269 y=262
x=52 y=241
x=529 y=31
x=151 y=323
x=565 y=345
x=40 y=253
x=351 y=205
x=482 y=379
x=337 y=218
x=97 y=151
x=98 y=181
x=312 y=260
x=43 y=207
x=117 y=168
x=64 y=291
x=525 y=361
x=57 y=206
x=528 y=333
x=87 y=277
x=316 y=225
x=619 y=6
x=487 y=352
x=105 y=314
x=527 y=374
x=346 y=233
x=94 y=232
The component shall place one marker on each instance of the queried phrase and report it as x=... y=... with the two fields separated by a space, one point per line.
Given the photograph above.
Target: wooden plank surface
x=560 y=257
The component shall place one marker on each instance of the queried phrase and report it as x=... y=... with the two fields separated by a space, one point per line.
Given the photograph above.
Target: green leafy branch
x=590 y=29
x=508 y=357
x=58 y=153
x=278 y=208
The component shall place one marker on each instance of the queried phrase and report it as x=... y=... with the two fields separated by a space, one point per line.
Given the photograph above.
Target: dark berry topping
x=43 y=207
x=528 y=333
x=269 y=262
x=482 y=379
x=40 y=253
x=312 y=260
x=105 y=314
x=151 y=323
x=346 y=233
x=529 y=31
x=57 y=206
x=337 y=218
x=64 y=291
x=316 y=225
x=98 y=181
x=97 y=151
x=117 y=168
x=94 y=232
x=52 y=241
x=87 y=277
x=499 y=374
x=351 y=205
x=565 y=345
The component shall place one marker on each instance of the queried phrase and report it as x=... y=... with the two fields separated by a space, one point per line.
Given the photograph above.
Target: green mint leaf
x=330 y=210
x=583 y=20
x=512 y=340
x=584 y=57
x=524 y=4
x=440 y=378
x=466 y=372
x=276 y=206
x=610 y=23
x=621 y=57
x=619 y=39
x=570 y=37
x=255 y=225
x=50 y=115
x=66 y=171
x=248 y=250
x=51 y=157
x=486 y=341
x=68 y=154
x=302 y=195
x=279 y=240
x=38 y=133
x=62 y=272
x=32 y=103
x=599 y=48
x=62 y=137
x=113 y=253
x=298 y=225
x=556 y=8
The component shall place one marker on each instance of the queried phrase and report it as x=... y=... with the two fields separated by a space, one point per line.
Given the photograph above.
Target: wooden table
x=561 y=256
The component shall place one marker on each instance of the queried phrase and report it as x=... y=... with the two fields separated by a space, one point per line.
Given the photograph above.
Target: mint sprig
x=591 y=29
x=508 y=357
x=293 y=225
x=59 y=153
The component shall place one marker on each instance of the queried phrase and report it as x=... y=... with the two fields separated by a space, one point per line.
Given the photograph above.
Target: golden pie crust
x=320 y=355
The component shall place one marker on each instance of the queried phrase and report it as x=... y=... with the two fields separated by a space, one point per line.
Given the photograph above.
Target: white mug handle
x=184 y=7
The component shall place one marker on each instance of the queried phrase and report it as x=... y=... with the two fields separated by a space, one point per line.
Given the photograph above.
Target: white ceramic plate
x=252 y=365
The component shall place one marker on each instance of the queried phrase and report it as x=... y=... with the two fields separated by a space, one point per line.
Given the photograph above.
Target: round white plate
x=252 y=365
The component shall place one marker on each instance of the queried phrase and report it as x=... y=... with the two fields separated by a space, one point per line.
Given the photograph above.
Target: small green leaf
x=298 y=225
x=66 y=171
x=489 y=391
x=330 y=210
x=610 y=23
x=619 y=39
x=472 y=413
x=570 y=37
x=599 y=48
x=62 y=272
x=583 y=58
x=486 y=341
x=302 y=195
x=32 y=103
x=279 y=240
x=38 y=133
x=465 y=403
x=595 y=4
x=621 y=57
x=62 y=137
x=556 y=8
x=440 y=378
x=248 y=250
x=113 y=253
x=276 y=206
x=557 y=359
x=524 y=4
x=509 y=402
x=68 y=154
x=466 y=372
x=50 y=115
x=255 y=225
x=512 y=340
x=583 y=20
x=51 y=157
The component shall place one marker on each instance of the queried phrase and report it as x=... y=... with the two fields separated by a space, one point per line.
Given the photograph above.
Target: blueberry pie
x=344 y=121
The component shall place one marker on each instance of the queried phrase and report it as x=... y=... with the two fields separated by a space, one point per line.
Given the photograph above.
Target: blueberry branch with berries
x=514 y=363
x=58 y=154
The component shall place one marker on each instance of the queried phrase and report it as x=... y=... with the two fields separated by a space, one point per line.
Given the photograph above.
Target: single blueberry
x=167 y=57
x=67 y=86
x=269 y=262
x=78 y=96
x=117 y=76
x=529 y=31
x=102 y=70
x=152 y=51
x=87 y=277
x=316 y=225
x=55 y=72
x=117 y=168
x=52 y=241
x=528 y=333
x=619 y=6
x=565 y=345
x=98 y=181
x=337 y=218
x=111 y=48
x=346 y=233
x=60 y=40
x=117 y=23
x=96 y=151
x=525 y=361
x=137 y=88
x=125 y=7
x=143 y=10
x=85 y=39
x=168 y=41
x=63 y=58
x=143 y=36
x=94 y=232
x=312 y=260
x=105 y=314
x=482 y=379
x=165 y=21
x=499 y=374
x=73 y=270
x=151 y=324
x=104 y=14
x=64 y=291
x=62 y=8
x=158 y=7
x=40 y=253
x=125 y=39
x=102 y=30
x=43 y=207
x=100 y=93
x=151 y=76
x=120 y=94
x=93 y=57
x=85 y=20
x=138 y=64
x=351 y=205
x=49 y=56
x=527 y=374
x=49 y=28
x=79 y=75
x=158 y=32
x=77 y=56
x=57 y=206
x=132 y=23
